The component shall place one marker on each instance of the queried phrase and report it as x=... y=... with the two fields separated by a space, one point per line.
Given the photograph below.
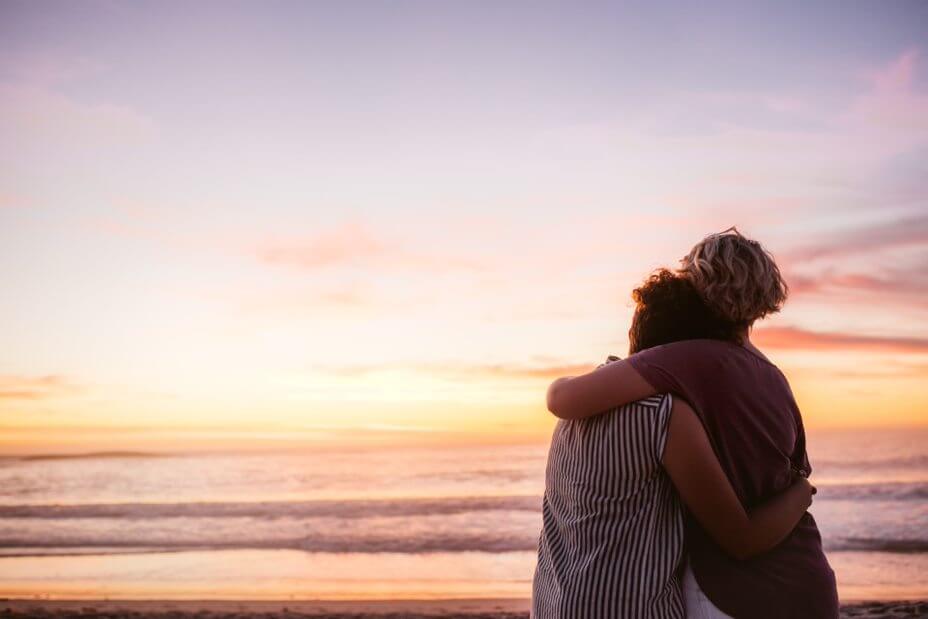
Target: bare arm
x=611 y=385
x=705 y=490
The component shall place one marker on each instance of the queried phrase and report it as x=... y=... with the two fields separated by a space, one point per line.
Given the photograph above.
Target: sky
x=258 y=222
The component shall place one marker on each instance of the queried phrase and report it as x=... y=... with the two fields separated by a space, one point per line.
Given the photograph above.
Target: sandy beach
x=393 y=609
x=217 y=609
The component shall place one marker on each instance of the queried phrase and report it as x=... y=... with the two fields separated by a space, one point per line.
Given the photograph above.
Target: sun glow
x=248 y=246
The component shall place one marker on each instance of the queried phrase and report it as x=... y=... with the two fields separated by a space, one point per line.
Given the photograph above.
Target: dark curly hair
x=668 y=309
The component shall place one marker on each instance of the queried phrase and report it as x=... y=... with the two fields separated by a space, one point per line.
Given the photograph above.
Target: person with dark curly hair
x=612 y=541
x=744 y=403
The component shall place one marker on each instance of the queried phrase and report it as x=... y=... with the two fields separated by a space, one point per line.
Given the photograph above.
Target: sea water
x=384 y=522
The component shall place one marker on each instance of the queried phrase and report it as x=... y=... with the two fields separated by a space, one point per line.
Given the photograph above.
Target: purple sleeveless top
x=752 y=419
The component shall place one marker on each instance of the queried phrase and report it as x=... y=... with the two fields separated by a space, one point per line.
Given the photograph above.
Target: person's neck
x=745 y=337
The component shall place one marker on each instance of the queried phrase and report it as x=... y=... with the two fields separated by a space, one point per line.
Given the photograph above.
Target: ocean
x=384 y=522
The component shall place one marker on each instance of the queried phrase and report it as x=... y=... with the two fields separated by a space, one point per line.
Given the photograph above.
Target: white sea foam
x=462 y=500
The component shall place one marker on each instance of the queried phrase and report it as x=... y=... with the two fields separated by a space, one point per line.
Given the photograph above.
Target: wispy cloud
x=890 y=369
x=897 y=233
x=39 y=116
x=11 y=202
x=354 y=244
x=349 y=243
x=869 y=265
x=794 y=338
x=34 y=114
x=498 y=371
x=897 y=76
x=893 y=101
x=46 y=68
x=879 y=288
x=35 y=387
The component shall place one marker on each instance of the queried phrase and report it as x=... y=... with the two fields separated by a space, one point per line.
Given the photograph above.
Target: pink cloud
x=34 y=109
x=905 y=232
x=465 y=370
x=353 y=244
x=348 y=243
x=898 y=74
x=893 y=102
x=31 y=114
x=34 y=387
x=893 y=287
x=12 y=202
x=48 y=68
x=793 y=338
x=868 y=266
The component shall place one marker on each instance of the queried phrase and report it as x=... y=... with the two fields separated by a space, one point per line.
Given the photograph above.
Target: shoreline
x=488 y=608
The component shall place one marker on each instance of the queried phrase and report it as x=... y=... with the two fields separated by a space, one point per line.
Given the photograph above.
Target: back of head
x=736 y=277
x=669 y=309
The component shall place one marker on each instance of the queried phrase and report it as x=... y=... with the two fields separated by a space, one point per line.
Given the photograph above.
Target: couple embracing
x=676 y=483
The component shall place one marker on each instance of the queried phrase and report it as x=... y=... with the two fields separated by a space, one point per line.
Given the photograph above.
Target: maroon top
x=751 y=418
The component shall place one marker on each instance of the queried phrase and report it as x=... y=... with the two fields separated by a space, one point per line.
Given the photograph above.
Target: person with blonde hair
x=736 y=277
x=754 y=425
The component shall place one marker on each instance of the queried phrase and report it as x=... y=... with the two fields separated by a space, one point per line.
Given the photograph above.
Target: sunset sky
x=234 y=222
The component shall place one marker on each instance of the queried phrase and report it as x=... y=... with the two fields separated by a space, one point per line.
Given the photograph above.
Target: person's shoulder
x=687 y=348
x=655 y=401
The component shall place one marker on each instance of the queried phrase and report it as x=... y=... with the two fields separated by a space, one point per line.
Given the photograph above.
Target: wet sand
x=413 y=609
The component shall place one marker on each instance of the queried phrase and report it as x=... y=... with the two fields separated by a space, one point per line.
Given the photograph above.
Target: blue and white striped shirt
x=611 y=545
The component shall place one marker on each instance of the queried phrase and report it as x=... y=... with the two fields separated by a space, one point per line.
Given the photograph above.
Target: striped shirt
x=611 y=544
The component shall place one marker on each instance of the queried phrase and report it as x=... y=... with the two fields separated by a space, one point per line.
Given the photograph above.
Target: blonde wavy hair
x=736 y=277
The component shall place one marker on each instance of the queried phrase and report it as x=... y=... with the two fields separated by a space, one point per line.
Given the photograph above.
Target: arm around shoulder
x=704 y=488
x=615 y=384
